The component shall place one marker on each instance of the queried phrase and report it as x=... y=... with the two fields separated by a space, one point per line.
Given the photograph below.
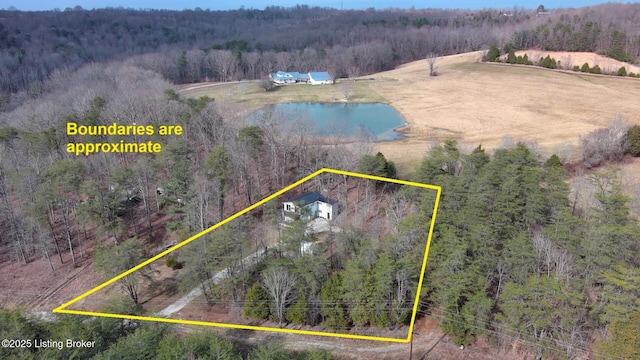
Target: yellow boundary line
x=62 y=308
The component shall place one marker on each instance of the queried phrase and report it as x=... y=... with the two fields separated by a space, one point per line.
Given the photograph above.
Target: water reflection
x=362 y=120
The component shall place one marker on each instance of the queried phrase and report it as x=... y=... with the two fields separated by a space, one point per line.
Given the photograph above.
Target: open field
x=476 y=103
x=248 y=93
x=482 y=103
x=570 y=59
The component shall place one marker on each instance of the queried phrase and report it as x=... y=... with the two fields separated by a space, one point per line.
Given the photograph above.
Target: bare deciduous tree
x=606 y=144
x=432 y=59
x=279 y=284
x=225 y=64
x=265 y=84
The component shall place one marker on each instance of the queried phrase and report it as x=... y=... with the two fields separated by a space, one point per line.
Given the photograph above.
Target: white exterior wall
x=289 y=206
x=322 y=82
x=325 y=210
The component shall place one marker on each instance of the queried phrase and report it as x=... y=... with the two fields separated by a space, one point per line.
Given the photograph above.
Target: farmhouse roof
x=309 y=198
x=299 y=75
x=320 y=76
x=281 y=75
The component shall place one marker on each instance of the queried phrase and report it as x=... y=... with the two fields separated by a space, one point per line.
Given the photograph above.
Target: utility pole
x=411 y=347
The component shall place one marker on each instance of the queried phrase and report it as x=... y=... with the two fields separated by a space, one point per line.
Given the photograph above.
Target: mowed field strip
x=474 y=102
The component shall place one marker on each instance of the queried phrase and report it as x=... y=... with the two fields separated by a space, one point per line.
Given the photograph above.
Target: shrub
x=266 y=84
x=256 y=303
x=633 y=137
x=297 y=313
x=173 y=263
x=377 y=165
x=576 y=68
x=493 y=54
x=606 y=144
x=173 y=225
x=585 y=68
x=553 y=161
x=508 y=47
x=511 y=57
x=595 y=70
x=548 y=62
x=622 y=71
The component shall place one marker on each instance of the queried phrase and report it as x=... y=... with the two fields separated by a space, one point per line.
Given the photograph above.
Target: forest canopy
x=201 y=45
x=517 y=256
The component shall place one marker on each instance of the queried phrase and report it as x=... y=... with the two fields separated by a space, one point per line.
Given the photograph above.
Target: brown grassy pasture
x=482 y=103
x=474 y=102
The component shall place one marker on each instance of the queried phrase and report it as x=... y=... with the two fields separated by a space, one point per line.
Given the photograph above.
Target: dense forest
x=196 y=171
x=362 y=273
x=198 y=45
x=523 y=261
x=514 y=258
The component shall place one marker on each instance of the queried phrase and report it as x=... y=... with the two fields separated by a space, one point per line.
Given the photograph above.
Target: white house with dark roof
x=314 y=204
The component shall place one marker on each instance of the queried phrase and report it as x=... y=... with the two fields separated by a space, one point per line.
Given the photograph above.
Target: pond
x=374 y=120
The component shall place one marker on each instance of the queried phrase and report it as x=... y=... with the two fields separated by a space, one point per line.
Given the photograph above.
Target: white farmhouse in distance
x=313 y=78
x=283 y=77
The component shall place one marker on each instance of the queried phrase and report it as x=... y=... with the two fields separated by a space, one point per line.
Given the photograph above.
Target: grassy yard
x=249 y=94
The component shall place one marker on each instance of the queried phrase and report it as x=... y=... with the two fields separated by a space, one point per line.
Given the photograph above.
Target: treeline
x=126 y=339
x=606 y=29
x=516 y=260
x=494 y=55
x=49 y=197
x=197 y=45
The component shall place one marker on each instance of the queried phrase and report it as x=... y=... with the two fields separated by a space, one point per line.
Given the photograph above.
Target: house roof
x=309 y=198
x=320 y=76
x=282 y=75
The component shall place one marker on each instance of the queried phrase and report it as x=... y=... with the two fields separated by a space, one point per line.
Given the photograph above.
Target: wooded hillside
x=516 y=257
x=523 y=262
x=197 y=45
